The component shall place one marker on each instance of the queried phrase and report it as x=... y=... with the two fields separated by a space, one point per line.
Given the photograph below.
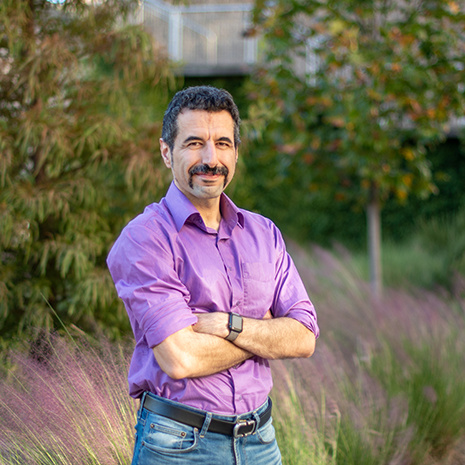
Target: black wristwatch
x=235 y=326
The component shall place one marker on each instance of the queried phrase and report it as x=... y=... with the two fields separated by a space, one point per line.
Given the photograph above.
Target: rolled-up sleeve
x=141 y=264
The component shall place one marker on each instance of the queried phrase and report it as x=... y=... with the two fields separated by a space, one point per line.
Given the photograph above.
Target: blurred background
x=352 y=143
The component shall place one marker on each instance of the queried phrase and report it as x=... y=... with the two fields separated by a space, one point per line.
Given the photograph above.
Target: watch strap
x=232 y=335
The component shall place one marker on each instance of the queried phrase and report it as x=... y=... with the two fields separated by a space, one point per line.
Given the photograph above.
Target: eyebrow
x=221 y=139
x=190 y=138
x=225 y=139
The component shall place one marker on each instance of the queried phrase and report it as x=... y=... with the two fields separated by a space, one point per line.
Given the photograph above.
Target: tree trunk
x=374 y=241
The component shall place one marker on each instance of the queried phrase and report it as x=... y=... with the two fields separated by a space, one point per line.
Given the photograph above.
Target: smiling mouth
x=207 y=173
x=208 y=177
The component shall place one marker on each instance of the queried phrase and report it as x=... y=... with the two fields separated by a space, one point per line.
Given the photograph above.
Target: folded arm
x=189 y=354
x=269 y=338
x=201 y=350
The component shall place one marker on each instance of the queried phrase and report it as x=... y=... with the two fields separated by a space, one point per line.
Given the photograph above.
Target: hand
x=215 y=324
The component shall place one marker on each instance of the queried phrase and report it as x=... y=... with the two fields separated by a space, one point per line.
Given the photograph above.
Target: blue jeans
x=161 y=441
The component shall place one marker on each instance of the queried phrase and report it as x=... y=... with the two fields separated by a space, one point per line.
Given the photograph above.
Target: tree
x=360 y=90
x=81 y=98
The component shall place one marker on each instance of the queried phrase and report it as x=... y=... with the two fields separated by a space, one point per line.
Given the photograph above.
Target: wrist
x=235 y=326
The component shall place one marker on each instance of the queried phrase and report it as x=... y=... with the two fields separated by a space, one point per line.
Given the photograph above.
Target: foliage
x=432 y=258
x=352 y=94
x=446 y=231
x=319 y=219
x=360 y=89
x=82 y=91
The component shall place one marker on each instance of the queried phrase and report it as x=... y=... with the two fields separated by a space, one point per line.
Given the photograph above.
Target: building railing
x=205 y=39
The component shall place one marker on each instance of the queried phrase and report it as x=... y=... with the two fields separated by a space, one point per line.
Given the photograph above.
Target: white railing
x=202 y=36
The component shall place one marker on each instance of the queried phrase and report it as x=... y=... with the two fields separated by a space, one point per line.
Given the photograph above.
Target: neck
x=209 y=210
x=211 y=218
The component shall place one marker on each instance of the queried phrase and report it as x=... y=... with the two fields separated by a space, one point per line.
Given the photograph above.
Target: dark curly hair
x=206 y=98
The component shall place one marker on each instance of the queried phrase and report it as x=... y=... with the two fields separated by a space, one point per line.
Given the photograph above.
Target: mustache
x=205 y=169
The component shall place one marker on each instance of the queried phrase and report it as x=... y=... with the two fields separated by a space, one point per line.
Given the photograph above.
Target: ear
x=165 y=153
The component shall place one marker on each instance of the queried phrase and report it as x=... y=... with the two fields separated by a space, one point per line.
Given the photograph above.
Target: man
x=212 y=295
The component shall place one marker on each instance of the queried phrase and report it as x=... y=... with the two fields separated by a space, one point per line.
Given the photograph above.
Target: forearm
x=269 y=338
x=277 y=338
x=204 y=354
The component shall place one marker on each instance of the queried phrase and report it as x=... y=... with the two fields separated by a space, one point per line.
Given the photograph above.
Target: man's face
x=203 y=159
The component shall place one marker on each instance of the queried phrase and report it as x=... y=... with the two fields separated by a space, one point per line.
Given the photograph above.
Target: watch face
x=235 y=322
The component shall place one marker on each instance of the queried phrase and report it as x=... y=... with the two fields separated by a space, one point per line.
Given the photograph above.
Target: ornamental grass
x=384 y=387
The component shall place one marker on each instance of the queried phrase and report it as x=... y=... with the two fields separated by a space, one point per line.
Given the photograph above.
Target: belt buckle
x=244 y=423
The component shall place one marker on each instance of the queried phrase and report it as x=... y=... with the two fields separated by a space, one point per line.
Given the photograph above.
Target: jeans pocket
x=266 y=433
x=167 y=436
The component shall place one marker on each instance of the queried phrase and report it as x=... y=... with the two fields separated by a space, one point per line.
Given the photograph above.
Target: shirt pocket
x=258 y=280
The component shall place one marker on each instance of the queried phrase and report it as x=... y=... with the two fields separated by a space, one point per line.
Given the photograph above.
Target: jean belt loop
x=256 y=417
x=142 y=399
x=206 y=424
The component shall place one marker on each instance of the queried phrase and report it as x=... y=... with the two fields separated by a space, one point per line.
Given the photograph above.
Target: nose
x=210 y=155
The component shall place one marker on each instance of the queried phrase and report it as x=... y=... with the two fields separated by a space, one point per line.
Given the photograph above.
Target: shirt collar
x=182 y=210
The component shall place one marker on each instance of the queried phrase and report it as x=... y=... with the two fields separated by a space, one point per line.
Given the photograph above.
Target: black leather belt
x=238 y=429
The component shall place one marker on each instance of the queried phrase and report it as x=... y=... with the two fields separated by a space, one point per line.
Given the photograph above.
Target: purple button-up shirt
x=167 y=266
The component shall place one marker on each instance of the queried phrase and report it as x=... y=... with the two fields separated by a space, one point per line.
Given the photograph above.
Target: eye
x=223 y=144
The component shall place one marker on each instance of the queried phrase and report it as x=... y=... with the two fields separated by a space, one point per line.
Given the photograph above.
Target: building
x=206 y=37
